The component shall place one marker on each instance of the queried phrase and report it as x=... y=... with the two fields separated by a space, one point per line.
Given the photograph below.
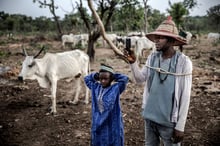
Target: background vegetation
x=126 y=17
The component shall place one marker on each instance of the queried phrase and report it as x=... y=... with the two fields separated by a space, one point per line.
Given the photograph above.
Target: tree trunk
x=145 y=16
x=52 y=10
x=102 y=30
x=91 y=50
x=93 y=37
x=58 y=26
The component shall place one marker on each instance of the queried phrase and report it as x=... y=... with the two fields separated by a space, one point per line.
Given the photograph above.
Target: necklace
x=163 y=79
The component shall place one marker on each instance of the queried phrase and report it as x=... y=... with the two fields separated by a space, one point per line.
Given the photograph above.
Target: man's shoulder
x=184 y=57
x=184 y=61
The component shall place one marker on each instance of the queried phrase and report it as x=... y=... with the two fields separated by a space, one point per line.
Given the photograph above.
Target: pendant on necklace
x=162 y=80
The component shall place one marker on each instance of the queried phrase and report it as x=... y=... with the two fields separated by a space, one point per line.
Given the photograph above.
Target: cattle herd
x=138 y=41
x=213 y=36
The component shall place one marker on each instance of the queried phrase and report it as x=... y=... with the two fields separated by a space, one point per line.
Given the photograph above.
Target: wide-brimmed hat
x=167 y=28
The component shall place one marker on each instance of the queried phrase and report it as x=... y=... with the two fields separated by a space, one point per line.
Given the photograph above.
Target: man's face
x=105 y=79
x=162 y=43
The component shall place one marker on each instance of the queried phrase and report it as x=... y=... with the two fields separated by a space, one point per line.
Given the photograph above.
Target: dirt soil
x=24 y=120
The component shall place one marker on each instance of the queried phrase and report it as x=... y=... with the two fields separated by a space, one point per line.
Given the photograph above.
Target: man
x=107 y=123
x=168 y=77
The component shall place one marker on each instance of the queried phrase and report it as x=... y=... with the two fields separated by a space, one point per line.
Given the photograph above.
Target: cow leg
x=46 y=95
x=53 y=95
x=73 y=44
x=76 y=99
x=63 y=44
x=87 y=96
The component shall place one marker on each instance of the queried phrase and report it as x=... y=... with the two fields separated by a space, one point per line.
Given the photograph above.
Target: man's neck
x=168 y=53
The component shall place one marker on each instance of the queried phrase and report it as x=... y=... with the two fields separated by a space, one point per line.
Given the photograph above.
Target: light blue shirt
x=183 y=84
x=161 y=93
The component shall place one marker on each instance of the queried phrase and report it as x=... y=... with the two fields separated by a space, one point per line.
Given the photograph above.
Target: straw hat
x=167 y=28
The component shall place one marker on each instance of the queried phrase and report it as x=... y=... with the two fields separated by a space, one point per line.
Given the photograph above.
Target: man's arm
x=184 y=102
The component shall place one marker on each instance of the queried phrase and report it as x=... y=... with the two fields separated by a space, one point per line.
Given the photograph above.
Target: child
x=107 y=123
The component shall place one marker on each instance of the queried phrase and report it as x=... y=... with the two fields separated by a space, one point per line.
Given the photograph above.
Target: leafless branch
x=116 y=50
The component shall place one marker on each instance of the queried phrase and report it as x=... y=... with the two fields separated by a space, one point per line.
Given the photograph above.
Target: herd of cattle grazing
x=75 y=64
x=118 y=40
x=137 y=42
x=213 y=36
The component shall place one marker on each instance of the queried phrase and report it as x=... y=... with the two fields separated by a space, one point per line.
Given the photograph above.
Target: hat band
x=167 y=28
x=107 y=69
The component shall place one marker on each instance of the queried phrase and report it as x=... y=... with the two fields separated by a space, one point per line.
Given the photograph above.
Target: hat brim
x=178 y=40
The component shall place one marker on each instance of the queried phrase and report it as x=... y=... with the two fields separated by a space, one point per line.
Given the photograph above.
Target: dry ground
x=23 y=119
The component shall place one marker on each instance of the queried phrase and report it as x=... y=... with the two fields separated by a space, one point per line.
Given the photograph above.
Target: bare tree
x=52 y=8
x=106 y=11
x=102 y=31
x=145 y=16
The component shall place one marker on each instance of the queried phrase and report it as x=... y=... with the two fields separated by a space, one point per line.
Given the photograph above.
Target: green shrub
x=4 y=54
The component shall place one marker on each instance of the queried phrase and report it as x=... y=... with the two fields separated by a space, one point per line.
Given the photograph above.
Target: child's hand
x=96 y=76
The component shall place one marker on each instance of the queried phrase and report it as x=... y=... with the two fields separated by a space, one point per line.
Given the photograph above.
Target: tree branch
x=117 y=51
x=83 y=15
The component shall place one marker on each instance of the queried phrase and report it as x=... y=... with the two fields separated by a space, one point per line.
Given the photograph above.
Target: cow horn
x=25 y=52
x=39 y=52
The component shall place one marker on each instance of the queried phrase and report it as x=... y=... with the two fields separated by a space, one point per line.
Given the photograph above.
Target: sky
x=27 y=7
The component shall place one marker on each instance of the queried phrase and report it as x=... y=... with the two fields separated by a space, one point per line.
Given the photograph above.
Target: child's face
x=105 y=79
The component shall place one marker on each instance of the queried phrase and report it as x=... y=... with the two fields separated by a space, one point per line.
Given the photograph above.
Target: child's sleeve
x=90 y=80
x=121 y=80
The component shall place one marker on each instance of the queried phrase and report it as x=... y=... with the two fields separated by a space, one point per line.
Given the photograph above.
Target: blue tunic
x=107 y=123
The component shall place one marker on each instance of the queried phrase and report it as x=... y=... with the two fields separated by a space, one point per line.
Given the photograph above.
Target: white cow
x=188 y=37
x=139 y=44
x=71 y=38
x=213 y=36
x=55 y=66
x=111 y=37
x=84 y=38
x=140 y=34
x=121 y=41
x=144 y=43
